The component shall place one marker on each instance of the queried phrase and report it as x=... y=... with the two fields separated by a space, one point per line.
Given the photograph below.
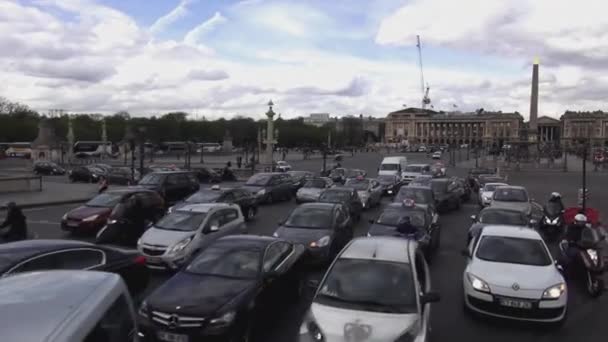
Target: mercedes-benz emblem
x=515 y=286
x=356 y=332
x=173 y=321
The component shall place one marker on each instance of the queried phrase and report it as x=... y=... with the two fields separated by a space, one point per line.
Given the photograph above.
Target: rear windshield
x=334 y=196
x=389 y=167
x=413 y=168
x=510 y=195
x=513 y=251
x=392 y=217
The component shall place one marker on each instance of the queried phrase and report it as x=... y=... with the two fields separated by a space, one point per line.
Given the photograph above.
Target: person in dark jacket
x=406 y=227
x=15 y=220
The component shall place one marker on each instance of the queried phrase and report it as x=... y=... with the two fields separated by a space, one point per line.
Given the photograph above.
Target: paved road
x=449 y=323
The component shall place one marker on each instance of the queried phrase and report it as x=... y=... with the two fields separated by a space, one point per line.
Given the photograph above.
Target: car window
x=191 y=178
x=116 y=325
x=76 y=259
x=216 y=219
x=228 y=215
x=173 y=179
x=275 y=254
x=510 y=195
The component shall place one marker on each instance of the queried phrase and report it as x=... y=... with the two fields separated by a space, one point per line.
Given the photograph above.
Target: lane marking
x=43 y=222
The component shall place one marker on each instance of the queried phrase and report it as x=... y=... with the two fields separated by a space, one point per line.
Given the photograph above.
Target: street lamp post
x=141 y=135
x=584 y=190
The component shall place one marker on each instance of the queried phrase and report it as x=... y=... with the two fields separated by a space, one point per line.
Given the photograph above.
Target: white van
x=66 y=306
x=392 y=166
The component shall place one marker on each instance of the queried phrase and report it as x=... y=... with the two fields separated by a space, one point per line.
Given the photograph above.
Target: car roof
x=340 y=189
x=392 y=159
x=440 y=180
x=51 y=299
x=129 y=189
x=491 y=208
x=383 y=248
x=169 y=172
x=318 y=205
x=496 y=183
x=416 y=187
x=204 y=207
x=511 y=231
x=514 y=187
x=13 y=252
x=418 y=164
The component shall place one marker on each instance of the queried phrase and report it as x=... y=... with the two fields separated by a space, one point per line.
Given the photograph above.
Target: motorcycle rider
x=17 y=222
x=557 y=199
x=574 y=233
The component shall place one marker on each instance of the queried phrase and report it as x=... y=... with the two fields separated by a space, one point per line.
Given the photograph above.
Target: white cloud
x=295 y=19
x=180 y=11
x=194 y=36
x=207 y=75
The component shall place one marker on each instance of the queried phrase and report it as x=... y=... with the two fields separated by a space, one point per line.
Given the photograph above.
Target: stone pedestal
x=46 y=146
x=227 y=143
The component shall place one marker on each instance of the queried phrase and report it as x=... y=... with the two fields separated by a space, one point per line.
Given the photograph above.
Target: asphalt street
x=449 y=322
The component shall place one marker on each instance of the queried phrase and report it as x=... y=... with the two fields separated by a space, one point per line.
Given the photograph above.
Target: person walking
x=16 y=222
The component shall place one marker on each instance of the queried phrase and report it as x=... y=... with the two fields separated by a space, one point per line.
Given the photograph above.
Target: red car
x=92 y=216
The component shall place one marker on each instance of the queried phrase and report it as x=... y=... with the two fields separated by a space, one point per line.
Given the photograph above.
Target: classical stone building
x=418 y=126
x=580 y=126
x=549 y=130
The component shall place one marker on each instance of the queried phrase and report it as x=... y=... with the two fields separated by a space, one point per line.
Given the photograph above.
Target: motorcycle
x=552 y=222
x=587 y=262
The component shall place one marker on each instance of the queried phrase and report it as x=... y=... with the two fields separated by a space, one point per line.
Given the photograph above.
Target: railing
x=20 y=184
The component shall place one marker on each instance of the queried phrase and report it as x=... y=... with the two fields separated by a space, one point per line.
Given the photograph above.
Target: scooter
x=552 y=222
x=588 y=263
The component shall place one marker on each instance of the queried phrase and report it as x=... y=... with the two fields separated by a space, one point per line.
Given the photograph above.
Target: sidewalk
x=51 y=194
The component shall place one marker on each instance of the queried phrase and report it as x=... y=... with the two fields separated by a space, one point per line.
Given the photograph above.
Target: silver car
x=512 y=197
x=486 y=193
x=186 y=231
x=377 y=289
x=414 y=170
x=312 y=189
x=369 y=190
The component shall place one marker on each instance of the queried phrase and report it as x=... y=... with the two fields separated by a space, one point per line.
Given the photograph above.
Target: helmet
x=580 y=219
x=555 y=195
x=404 y=220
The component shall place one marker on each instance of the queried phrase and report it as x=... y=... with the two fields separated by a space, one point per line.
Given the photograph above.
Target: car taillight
x=140 y=260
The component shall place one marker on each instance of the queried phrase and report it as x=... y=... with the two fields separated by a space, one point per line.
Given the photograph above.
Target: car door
x=376 y=191
x=423 y=286
x=279 y=260
x=343 y=226
x=192 y=184
x=171 y=188
x=230 y=222
x=68 y=259
x=205 y=236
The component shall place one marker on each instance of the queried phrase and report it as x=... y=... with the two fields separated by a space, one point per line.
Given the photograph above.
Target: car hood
x=504 y=275
x=196 y=295
x=301 y=235
x=84 y=212
x=524 y=207
x=411 y=174
x=310 y=192
x=163 y=237
x=382 y=230
x=380 y=326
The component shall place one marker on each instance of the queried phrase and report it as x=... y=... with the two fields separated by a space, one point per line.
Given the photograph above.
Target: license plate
x=170 y=337
x=519 y=304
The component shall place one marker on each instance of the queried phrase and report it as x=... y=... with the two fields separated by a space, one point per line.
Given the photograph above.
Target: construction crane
x=425 y=87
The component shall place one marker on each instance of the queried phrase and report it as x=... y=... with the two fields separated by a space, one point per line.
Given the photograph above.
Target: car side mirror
x=465 y=253
x=430 y=297
x=214 y=227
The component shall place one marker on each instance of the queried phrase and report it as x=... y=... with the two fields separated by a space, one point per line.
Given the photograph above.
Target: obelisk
x=534 y=103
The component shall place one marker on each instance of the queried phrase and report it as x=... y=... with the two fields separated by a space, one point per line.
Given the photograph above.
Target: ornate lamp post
x=104 y=138
x=270 y=140
x=70 y=140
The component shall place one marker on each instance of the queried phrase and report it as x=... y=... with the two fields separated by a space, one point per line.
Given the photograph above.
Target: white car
x=377 y=289
x=510 y=274
x=486 y=193
x=282 y=166
x=436 y=155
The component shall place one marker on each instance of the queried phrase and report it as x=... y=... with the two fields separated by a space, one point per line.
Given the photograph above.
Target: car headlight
x=390 y=192
x=223 y=320
x=478 y=284
x=180 y=246
x=554 y=292
x=112 y=221
x=143 y=309
x=90 y=218
x=261 y=192
x=322 y=242
x=170 y=210
x=593 y=255
x=139 y=243
x=487 y=199
x=369 y=234
x=555 y=220
x=548 y=220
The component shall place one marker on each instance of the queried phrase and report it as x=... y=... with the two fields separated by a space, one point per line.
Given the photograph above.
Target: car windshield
x=392 y=217
x=259 y=179
x=204 y=197
x=510 y=195
x=511 y=218
x=389 y=167
x=105 y=200
x=334 y=196
x=369 y=285
x=387 y=179
x=223 y=261
x=151 y=179
x=491 y=187
x=315 y=184
x=358 y=184
x=513 y=251
x=313 y=218
x=185 y=221
x=413 y=168
x=419 y=196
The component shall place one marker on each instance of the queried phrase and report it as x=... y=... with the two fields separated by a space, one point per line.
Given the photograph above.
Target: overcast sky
x=225 y=58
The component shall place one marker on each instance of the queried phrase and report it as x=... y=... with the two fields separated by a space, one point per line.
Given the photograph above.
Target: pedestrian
x=17 y=223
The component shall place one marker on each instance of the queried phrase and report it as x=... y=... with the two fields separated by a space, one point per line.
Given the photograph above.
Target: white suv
x=186 y=231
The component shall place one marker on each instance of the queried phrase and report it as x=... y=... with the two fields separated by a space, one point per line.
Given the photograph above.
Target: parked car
x=216 y=194
x=40 y=255
x=312 y=189
x=173 y=186
x=384 y=293
x=462 y=188
x=175 y=238
x=482 y=180
x=325 y=228
x=348 y=197
x=93 y=215
x=447 y=194
x=229 y=290
x=474 y=175
x=421 y=195
x=269 y=187
x=436 y=155
x=67 y=305
x=390 y=184
x=282 y=166
x=300 y=177
x=86 y=174
x=48 y=168
x=369 y=190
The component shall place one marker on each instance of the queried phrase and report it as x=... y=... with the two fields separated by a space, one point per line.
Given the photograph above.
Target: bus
x=210 y=147
x=85 y=149
x=19 y=150
x=171 y=147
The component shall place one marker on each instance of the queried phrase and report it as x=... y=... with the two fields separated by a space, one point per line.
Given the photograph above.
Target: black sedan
x=338 y=175
x=324 y=227
x=207 y=175
x=40 y=255
x=299 y=178
x=231 y=288
x=447 y=194
x=501 y=216
x=390 y=184
x=86 y=174
x=48 y=168
x=217 y=194
x=345 y=196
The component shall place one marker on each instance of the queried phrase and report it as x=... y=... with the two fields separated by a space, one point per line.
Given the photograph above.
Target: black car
x=482 y=180
x=268 y=187
x=421 y=195
x=325 y=228
x=48 y=168
x=501 y=216
x=474 y=174
x=420 y=216
x=174 y=186
x=121 y=176
x=390 y=184
x=228 y=292
x=217 y=194
x=207 y=175
x=422 y=180
x=447 y=194
x=40 y=255
x=338 y=175
x=299 y=178
x=86 y=174
x=345 y=196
